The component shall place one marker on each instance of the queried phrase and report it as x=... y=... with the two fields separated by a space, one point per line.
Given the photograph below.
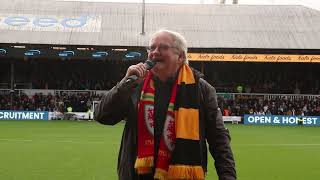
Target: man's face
x=168 y=57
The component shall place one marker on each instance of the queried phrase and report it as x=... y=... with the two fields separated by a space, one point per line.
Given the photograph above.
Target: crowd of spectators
x=79 y=75
x=80 y=102
x=264 y=78
x=237 y=106
x=224 y=76
x=279 y=106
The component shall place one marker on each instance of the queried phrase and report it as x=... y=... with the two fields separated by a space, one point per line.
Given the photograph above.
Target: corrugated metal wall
x=226 y=26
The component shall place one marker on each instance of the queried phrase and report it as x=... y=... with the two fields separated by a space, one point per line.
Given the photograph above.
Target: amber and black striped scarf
x=179 y=150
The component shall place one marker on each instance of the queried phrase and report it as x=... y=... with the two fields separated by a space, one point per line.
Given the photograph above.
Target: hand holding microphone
x=139 y=70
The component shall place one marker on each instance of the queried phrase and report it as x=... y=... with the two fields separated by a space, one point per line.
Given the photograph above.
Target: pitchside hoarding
x=24 y=115
x=282 y=120
x=254 y=57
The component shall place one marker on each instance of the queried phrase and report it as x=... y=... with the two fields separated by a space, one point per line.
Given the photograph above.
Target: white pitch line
x=276 y=144
x=62 y=141
x=71 y=141
x=16 y=140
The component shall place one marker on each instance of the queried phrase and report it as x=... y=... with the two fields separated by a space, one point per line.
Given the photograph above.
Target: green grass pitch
x=73 y=150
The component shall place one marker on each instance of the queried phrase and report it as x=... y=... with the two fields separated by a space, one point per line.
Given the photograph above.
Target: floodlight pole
x=12 y=83
x=143 y=16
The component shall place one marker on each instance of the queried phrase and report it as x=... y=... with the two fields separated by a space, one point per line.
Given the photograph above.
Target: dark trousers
x=146 y=177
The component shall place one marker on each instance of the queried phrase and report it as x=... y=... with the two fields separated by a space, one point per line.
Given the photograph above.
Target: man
x=170 y=113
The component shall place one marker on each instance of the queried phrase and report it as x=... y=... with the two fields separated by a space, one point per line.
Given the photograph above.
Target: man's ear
x=182 y=56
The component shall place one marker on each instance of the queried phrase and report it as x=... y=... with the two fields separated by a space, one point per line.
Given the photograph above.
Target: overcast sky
x=309 y=3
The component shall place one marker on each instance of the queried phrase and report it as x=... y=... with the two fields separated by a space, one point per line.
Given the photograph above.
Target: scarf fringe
x=144 y=165
x=185 y=172
x=160 y=174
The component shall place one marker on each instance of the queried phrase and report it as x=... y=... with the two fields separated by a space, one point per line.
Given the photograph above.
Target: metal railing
x=31 y=92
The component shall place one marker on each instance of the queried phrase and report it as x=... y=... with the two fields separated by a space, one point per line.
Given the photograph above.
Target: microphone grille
x=149 y=64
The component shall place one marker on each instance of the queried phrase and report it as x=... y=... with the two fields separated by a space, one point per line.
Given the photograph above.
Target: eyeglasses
x=161 y=47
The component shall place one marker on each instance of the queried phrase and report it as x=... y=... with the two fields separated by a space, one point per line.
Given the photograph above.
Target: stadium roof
x=120 y=24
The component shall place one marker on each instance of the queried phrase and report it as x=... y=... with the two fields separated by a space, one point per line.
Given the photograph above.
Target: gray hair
x=179 y=42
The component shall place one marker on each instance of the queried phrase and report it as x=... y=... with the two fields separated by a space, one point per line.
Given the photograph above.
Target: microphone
x=149 y=65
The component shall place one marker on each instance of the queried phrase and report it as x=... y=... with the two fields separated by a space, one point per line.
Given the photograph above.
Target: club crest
x=169 y=133
x=148 y=116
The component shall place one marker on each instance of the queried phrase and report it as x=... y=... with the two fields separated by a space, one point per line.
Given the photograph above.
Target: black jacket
x=121 y=103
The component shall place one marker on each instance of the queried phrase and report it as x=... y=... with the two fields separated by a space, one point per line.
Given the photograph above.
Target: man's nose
x=157 y=50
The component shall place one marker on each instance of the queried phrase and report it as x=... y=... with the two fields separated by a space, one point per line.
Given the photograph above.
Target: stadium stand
x=49 y=81
x=79 y=101
x=96 y=75
x=280 y=105
x=234 y=105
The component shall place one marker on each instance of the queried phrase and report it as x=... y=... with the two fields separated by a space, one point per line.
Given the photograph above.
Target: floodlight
x=32 y=52
x=66 y=53
x=133 y=54
x=100 y=54
x=3 y=52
